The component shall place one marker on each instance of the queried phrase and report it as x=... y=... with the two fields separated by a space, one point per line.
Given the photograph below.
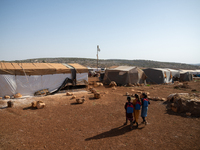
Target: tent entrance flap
x=67 y=80
x=73 y=72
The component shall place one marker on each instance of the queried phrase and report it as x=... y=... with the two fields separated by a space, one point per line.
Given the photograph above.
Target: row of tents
x=28 y=78
x=129 y=75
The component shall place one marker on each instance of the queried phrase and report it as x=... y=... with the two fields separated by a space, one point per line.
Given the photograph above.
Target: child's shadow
x=113 y=132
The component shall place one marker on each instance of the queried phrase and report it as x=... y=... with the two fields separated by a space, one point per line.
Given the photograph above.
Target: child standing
x=145 y=103
x=137 y=105
x=129 y=111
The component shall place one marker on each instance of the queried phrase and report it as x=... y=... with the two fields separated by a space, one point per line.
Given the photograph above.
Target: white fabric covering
x=28 y=85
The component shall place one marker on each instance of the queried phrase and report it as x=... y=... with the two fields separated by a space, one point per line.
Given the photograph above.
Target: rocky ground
x=97 y=123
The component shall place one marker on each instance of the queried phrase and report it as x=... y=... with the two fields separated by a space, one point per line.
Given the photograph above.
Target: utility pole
x=98 y=50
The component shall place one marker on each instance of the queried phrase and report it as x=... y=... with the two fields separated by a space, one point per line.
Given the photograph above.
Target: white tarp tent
x=174 y=75
x=158 y=75
x=194 y=72
x=27 y=78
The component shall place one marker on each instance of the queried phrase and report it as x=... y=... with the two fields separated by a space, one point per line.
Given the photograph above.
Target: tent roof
x=160 y=69
x=182 y=70
x=79 y=68
x=37 y=68
x=173 y=70
x=123 y=68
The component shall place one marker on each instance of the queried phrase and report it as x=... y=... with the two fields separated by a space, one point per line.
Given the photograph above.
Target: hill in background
x=112 y=62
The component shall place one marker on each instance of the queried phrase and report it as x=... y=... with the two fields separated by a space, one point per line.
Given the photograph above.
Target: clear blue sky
x=160 y=30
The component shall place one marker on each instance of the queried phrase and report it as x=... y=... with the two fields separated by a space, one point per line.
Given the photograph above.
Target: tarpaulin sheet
x=28 y=85
x=33 y=68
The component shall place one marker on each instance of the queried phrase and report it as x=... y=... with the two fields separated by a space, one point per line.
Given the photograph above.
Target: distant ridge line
x=91 y=62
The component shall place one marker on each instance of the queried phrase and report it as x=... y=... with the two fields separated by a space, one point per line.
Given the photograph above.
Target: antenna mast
x=98 y=50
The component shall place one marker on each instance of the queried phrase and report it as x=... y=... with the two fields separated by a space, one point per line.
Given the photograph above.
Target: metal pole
x=98 y=50
x=97 y=59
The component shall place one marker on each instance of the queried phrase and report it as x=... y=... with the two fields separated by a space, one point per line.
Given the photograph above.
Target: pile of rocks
x=78 y=100
x=113 y=84
x=97 y=95
x=184 y=103
x=38 y=104
x=96 y=84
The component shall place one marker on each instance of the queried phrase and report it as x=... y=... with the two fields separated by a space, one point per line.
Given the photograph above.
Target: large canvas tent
x=194 y=72
x=123 y=75
x=158 y=75
x=186 y=75
x=27 y=78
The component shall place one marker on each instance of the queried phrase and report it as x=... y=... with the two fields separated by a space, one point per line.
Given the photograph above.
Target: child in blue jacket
x=145 y=103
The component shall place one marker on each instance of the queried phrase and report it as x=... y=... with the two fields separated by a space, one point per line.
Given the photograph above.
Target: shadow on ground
x=113 y=132
x=92 y=98
x=170 y=112
x=31 y=108
x=75 y=103
x=4 y=107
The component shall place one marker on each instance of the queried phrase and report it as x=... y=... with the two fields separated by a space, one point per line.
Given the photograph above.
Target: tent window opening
x=121 y=73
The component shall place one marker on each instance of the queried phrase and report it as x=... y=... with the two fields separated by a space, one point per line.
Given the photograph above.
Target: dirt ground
x=97 y=123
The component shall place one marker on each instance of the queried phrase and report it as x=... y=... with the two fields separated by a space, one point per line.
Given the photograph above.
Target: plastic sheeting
x=28 y=85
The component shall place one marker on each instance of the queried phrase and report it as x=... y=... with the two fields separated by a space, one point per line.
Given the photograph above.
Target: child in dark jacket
x=145 y=103
x=129 y=111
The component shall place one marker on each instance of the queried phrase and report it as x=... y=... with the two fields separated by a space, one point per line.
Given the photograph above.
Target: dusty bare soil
x=97 y=124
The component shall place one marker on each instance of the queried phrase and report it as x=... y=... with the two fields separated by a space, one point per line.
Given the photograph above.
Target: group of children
x=133 y=108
